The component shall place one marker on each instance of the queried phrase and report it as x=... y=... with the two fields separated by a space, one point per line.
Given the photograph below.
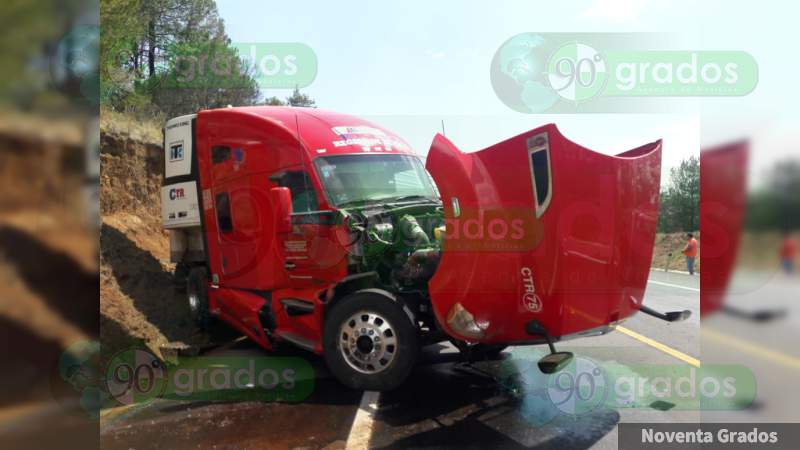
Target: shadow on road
x=460 y=409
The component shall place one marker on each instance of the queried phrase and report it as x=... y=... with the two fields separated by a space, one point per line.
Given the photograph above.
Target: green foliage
x=668 y=218
x=26 y=25
x=776 y=206
x=274 y=101
x=172 y=56
x=119 y=36
x=29 y=33
x=202 y=76
x=680 y=202
x=298 y=99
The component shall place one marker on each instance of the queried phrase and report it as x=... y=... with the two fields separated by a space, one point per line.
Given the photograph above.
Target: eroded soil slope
x=138 y=302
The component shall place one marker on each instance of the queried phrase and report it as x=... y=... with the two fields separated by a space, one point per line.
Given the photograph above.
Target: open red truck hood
x=723 y=187
x=540 y=228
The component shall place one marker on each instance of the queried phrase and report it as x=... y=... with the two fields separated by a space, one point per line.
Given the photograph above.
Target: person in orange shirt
x=788 y=253
x=690 y=251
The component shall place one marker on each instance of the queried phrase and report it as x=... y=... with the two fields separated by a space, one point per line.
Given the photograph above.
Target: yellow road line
x=658 y=345
x=109 y=413
x=753 y=349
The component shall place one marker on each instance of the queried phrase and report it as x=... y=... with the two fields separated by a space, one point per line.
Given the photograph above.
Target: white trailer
x=180 y=208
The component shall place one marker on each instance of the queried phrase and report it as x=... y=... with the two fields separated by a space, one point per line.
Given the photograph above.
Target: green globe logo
x=76 y=57
x=519 y=74
x=579 y=388
x=577 y=72
x=532 y=74
x=135 y=376
x=76 y=380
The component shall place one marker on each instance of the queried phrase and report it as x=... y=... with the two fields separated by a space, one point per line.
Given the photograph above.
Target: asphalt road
x=770 y=350
x=504 y=403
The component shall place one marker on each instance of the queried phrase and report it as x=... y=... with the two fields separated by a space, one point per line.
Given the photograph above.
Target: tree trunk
x=151 y=48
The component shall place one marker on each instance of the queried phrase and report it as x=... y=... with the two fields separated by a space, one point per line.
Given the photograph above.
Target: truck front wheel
x=197 y=294
x=181 y=276
x=370 y=341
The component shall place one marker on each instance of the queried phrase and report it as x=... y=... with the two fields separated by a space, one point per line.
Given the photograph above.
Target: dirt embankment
x=48 y=268
x=668 y=251
x=758 y=251
x=138 y=303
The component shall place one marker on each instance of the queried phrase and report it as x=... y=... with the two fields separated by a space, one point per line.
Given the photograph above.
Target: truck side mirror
x=281 y=198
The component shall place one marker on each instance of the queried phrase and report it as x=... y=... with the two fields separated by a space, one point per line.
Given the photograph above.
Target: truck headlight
x=462 y=322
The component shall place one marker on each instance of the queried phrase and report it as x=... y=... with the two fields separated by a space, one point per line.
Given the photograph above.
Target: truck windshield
x=364 y=178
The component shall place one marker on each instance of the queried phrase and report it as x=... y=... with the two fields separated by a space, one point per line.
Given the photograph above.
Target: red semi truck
x=328 y=232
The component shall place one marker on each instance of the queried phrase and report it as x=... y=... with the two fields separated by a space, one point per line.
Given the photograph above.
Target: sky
x=409 y=65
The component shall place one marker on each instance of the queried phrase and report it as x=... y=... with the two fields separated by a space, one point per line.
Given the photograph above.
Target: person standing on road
x=788 y=253
x=690 y=251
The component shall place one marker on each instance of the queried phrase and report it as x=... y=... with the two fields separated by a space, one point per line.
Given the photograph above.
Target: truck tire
x=370 y=341
x=197 y=296
x=181 y=276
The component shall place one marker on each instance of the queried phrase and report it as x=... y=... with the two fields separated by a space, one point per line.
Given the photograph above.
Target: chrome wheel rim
x=368 y=342
x=194 y=302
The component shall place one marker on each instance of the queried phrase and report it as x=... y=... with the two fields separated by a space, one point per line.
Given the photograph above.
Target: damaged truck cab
x=328 y=232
